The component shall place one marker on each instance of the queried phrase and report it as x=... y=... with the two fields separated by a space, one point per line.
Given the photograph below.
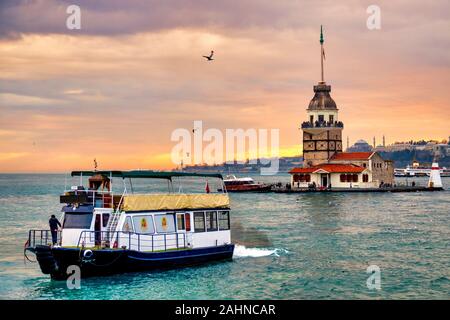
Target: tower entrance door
x=324 y=180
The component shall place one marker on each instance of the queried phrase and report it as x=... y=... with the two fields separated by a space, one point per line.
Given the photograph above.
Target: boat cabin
x=231 y=180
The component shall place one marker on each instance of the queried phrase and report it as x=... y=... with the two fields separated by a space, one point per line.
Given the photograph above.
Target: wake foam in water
x=242 y=251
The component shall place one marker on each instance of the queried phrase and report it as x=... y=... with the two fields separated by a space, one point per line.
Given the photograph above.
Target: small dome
x=322 y=99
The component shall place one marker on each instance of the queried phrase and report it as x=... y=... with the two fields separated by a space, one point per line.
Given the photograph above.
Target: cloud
x=134 y=73
x=118 y=17
x=15 y=100
x=73 y=91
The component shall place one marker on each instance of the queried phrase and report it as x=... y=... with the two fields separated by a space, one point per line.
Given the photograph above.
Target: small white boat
x=245 y=184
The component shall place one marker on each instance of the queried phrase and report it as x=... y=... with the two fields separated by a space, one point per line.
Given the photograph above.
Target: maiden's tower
x=324 y=163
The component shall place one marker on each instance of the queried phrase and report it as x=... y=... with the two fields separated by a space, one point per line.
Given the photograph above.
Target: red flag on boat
x=207 y=187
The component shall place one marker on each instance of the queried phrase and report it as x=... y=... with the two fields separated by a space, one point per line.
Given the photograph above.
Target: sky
x=116 y=89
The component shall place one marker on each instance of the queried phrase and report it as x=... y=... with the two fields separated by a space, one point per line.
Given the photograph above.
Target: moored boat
x=245 y=184
x=104 y=233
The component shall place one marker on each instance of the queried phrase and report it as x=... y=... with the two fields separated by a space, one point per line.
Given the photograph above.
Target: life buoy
x=88 y=254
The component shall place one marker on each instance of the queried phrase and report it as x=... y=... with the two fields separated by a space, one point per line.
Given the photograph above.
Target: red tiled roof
x=352 y=156
x=330 y=168
x=302 y=170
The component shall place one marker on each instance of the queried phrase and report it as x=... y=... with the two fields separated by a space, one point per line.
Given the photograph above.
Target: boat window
x=180 y=222
x=143 y=224
x=105 y=219
x=77 y=220
x=211 y=221
x=127 y=225
x=199 y=221
x=165 y=223
x=224 y=220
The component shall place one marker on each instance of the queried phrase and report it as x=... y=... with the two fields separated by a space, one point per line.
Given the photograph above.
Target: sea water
x=289 y=246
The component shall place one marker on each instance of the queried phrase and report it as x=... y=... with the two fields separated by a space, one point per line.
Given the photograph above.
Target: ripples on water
x=310 y=246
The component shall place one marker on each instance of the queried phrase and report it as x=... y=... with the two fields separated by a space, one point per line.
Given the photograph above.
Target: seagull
x=210 y=57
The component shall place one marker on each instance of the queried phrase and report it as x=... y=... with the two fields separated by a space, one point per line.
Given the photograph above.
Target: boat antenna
x=95 y=164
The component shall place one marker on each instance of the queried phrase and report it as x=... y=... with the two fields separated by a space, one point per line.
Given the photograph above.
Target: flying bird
x=210 y=57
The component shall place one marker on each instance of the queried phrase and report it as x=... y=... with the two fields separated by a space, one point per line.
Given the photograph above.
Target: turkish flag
x=207 y=187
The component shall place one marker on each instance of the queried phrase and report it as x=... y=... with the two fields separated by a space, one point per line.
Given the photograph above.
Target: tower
x=322 y=133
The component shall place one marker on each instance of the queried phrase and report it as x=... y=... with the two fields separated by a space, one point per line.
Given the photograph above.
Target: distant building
x=360 y=146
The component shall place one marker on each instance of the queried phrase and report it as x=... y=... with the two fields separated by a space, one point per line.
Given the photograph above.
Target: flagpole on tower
x=321 y=53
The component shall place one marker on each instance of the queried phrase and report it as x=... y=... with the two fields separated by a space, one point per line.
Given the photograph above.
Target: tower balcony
x=322 y=124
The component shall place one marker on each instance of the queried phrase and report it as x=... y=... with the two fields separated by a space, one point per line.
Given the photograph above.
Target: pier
x=389 y=189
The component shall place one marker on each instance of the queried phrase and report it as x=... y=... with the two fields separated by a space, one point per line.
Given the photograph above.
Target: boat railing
x=41 y=237
x=98 y=198
x=132 y=241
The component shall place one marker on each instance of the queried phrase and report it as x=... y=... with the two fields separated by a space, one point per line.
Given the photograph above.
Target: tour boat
x=104 y=233
x=246 y=184
x=418 y=171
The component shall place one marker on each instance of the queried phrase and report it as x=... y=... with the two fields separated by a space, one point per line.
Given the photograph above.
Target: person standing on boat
x=54 y=223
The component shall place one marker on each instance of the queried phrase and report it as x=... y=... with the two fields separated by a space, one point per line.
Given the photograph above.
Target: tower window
x=331 y=118
x=311 y=119
x=302 y=178
x=321 y=117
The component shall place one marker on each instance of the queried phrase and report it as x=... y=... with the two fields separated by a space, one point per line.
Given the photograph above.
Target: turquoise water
x=311 y=246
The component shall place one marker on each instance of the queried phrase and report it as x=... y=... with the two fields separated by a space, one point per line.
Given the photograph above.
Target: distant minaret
x=374 y=143
x=384 y=141
x=348 y=142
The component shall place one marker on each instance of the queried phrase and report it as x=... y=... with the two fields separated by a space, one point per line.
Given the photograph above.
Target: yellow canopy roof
x=147 y=202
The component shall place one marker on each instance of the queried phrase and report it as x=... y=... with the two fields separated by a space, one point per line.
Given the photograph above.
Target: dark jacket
x=54 y=223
